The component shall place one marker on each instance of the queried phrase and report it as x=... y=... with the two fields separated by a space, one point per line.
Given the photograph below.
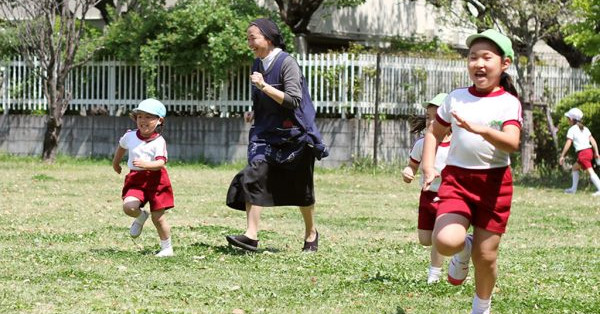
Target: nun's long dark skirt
x=265 y=184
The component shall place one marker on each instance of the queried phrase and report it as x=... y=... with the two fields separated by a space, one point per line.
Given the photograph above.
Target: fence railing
x=342 y=84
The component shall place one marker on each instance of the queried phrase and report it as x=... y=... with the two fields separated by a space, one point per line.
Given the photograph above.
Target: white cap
x=574 y=114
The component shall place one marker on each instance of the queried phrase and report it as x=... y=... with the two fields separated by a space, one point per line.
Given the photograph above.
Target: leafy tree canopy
x=209 y=33
x=585 y=33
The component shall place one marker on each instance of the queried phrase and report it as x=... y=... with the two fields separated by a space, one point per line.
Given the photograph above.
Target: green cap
x=436 y=101
x=502 y=41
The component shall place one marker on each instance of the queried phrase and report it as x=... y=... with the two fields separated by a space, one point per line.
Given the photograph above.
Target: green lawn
x=65 y=247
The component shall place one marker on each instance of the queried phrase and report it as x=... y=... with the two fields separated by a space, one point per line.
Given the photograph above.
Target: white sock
x=575 y=177
x=142 y=217
x=595 y=180
x=434 y=274
x=466 y=251
x=165 y=244
x=481 y=306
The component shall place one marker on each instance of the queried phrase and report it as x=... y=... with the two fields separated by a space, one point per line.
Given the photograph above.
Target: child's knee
x=131 y=207
x=486 y=258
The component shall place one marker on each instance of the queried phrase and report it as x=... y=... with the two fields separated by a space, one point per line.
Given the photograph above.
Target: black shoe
x=311 y=246
x=243 y=242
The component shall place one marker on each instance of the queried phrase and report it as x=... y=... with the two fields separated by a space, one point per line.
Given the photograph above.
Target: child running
x=148 y=180
x=586 y=148
x=476 y=184
x=428 y=199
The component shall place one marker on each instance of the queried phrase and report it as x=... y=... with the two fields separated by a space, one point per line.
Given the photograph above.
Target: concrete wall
x=191 y=138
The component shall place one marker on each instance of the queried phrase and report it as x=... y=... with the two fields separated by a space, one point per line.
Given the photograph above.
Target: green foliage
x=589 y=102
x=8 y=41
x=421 y=45
x=208 y=33
x=585 y=34
x=545 y=151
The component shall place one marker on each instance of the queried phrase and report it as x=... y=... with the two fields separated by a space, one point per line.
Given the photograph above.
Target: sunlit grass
x=64 y=247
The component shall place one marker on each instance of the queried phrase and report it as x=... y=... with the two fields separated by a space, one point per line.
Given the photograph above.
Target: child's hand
x=139 y=163
x=117 y=168
x=561 y=160
x=408 y=175
x=460 y=122
x=429 y=175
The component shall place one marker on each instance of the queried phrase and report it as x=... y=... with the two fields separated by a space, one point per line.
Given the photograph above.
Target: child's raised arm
x=150 y=165
x=507 y=139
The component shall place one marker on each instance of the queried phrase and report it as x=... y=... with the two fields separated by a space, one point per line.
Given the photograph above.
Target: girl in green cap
x=476 y=188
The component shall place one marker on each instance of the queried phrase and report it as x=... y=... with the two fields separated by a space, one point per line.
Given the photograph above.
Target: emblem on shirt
x=496 y=124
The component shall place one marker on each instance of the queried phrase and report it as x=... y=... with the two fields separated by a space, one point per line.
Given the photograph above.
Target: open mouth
x=480 y=74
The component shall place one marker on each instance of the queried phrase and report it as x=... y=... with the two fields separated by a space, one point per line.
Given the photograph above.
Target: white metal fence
x=340 y=84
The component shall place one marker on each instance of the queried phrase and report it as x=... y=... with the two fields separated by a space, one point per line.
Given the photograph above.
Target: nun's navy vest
x=280 y=134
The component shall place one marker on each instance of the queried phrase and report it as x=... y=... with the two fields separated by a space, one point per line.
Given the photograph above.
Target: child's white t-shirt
x=580 y=138
x=470 y=150
x=144 y=149
x=416 y=155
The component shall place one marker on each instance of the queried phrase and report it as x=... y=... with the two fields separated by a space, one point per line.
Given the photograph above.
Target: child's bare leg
x=485 y=255
x=449 y=233
x=162 y=226
x=131 y=206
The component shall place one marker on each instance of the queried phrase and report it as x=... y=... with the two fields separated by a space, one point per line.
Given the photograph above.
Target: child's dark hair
x=507 y=83
x=579 y=124
x=417 y=123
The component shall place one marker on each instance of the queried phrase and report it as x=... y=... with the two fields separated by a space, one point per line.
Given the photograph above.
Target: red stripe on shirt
x=512 y=122
x=441 y=121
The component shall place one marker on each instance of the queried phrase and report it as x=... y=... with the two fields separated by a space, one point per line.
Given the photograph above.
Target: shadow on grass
x=123 y=253
x=230 y=250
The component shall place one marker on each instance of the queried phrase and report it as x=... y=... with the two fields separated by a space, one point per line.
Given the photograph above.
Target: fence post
x=376 y=120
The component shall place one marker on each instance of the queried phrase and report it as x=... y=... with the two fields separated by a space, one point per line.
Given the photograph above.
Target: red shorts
x=481 y=195
x=152 y=187
x=427 y=210
x=584 y=158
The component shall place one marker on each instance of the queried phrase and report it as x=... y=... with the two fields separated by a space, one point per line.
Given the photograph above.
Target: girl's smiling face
x=147 y=123
x=485 y=65
x=257 y=42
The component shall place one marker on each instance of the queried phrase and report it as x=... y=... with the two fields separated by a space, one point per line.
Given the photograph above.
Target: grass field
x=65 y=247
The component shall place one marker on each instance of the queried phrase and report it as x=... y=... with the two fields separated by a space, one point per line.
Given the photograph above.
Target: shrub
x=589 y=102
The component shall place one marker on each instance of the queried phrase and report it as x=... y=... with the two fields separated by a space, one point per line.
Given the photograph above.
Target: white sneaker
x=165 y=252
x=138 y=224
x=433 y=279
x=458 y=269
x=597 y=193
x=570 y=191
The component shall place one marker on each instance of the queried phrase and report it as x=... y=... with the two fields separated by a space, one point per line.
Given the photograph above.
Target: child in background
x=586 y=148
x=476 y=184
x=428 y=199
x=148 y=180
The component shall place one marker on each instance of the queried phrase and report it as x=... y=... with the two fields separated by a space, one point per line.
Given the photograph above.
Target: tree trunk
x=301 y=44
x=527 y=138
x=51 y=137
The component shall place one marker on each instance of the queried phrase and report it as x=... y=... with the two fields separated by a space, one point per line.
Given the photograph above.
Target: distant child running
x=148 y=180
x=586 y=148
x=476 y=184
x=428 y=199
